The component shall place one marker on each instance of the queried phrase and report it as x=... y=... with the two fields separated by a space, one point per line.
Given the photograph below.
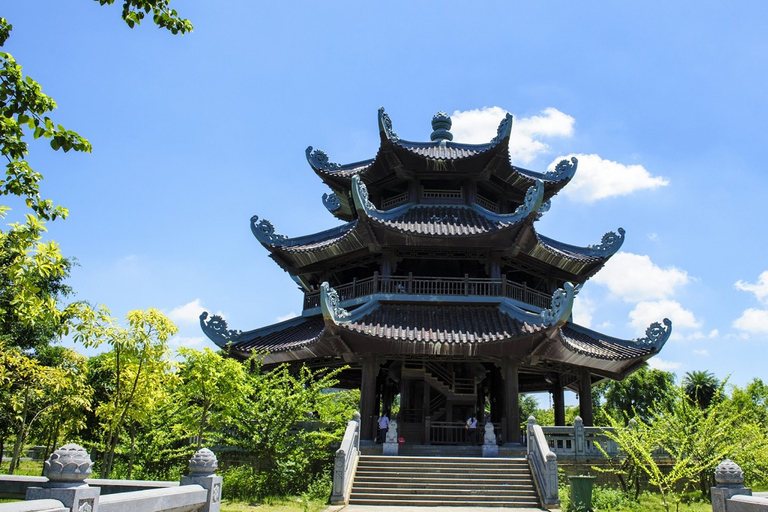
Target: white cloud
x=653 y=237
x=634 y=277
x=187 y=341
x=189 y=313
x=479 y=126
x=290 y=315
x=661 y=364
x=645 y=313
x=752 y=321
x=583 y=310
x=597 y=178
x=760 y=289
x=701 y=352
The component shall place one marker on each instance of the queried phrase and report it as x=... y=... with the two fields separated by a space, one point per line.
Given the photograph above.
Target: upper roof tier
x=399 y=162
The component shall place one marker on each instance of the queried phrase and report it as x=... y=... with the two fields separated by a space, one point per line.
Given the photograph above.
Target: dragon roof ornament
x=331 y=202
x=609 y=244
x=216 y=329
x=385 y=126
x=360 y=196
x=264 y=231
x=330 y=305
x=320 y=161
x=562 y=305
x=543 y=209
x=656 y=335
x=563 y=170
x=533 y=199
x=504 y=129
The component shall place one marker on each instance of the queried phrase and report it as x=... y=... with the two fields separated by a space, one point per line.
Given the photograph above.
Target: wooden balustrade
x=412 y=285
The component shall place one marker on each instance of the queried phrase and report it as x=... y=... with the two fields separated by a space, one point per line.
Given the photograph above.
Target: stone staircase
x=446 y=481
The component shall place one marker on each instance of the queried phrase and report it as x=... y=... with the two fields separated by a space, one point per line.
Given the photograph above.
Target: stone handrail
x=65 y=488
x=543 y=464
x=346 y=462
x=580 y=442
x=730 y=494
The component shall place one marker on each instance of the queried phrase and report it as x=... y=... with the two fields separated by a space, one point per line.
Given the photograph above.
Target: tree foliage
x=637 y=395
x=140 y=363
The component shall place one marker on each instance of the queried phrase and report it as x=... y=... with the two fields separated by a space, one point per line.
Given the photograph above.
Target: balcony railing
x=456 y=286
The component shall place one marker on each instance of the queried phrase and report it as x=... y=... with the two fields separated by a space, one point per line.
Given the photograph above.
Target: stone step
x=452 y=481
x=455 y=501
x=440 y=484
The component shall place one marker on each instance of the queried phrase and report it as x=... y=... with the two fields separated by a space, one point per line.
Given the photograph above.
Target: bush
x=607 y=498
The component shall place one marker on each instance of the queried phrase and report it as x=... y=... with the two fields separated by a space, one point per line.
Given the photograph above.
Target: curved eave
x=425 y=220
x=613 y=357
x=520 y=178
x=297 y=335
x=578 y=261
x=307 y=250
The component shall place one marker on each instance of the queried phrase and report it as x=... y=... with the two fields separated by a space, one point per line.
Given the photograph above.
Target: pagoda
x=438 y=288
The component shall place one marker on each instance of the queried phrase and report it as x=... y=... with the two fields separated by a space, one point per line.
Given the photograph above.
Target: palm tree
x=700 y=387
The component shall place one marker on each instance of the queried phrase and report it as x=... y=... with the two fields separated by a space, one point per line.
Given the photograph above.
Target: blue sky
x=663 y=103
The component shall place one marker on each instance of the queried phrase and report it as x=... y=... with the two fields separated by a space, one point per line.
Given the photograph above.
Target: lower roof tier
x=483 y=331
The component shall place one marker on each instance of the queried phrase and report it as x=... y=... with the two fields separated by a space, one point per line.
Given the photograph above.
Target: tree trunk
x=132 y=431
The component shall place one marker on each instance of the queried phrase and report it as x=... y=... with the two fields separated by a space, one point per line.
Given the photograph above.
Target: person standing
x=472 y=429
x=383 y=426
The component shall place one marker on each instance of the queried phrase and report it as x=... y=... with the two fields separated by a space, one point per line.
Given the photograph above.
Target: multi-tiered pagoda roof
x=439 y=256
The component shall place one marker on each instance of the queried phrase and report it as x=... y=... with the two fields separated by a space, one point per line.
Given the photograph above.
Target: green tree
x=636 y=395
x=140 y=363
x=701 y=387
x=39 y=394
x=211 y=388
x=695 y=441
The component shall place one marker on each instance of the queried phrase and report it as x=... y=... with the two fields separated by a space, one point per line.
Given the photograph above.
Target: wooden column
x=510 y=370
x=558 y=402
x=368 y=400
x=585 y=397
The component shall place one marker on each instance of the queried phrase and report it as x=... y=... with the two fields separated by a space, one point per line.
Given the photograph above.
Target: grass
x=286 y=504
x=26 y=468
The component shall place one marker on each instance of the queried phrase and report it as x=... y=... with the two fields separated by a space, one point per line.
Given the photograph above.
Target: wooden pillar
x=510 y=369
x=558 y=402
x=368 y=401
x=585 y=397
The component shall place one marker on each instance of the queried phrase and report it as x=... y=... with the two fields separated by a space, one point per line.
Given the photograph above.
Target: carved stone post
x=730 y=482
x=202 y=471
x=66 y=469
x=578 y=436
x=490 y=448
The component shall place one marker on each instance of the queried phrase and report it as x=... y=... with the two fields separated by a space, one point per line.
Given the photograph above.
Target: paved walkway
x=376 y=508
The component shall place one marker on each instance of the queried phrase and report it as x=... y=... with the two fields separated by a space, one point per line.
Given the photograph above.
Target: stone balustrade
x=65 y=487
x=345 y=463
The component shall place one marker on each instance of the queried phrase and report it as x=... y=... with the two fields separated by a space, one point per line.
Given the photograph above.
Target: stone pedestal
x=730 y=482
x=202 y=468
x=66 y=470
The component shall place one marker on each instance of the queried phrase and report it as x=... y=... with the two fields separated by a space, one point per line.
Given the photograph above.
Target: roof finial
x=441 y=123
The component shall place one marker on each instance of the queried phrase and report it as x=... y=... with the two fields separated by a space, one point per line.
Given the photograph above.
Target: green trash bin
x=581 y=492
